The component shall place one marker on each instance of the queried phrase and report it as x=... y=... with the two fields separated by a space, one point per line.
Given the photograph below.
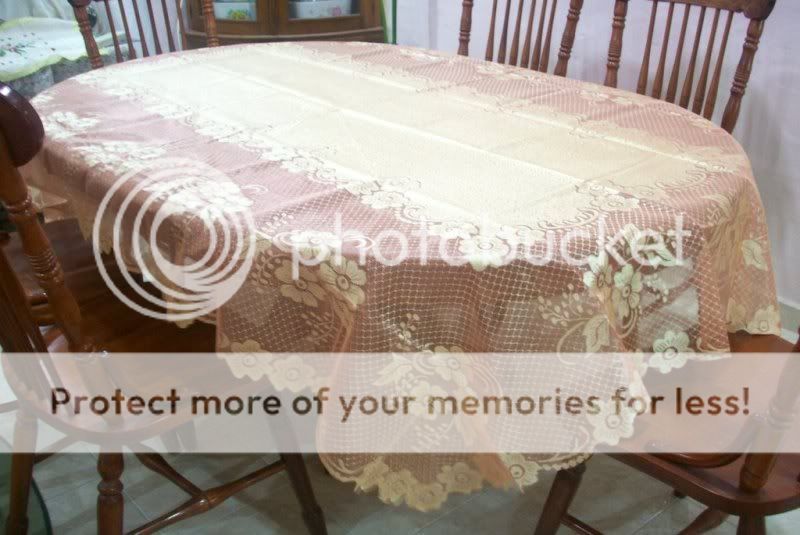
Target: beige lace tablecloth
x=385 y=137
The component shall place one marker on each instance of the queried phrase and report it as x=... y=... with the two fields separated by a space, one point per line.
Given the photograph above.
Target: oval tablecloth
x=389 y=138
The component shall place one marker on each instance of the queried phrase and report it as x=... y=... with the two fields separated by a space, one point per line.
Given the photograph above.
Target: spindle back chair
x=707 y=84
x=151 y=23
x=750 y=485
x=104 y=324
x=537 y=36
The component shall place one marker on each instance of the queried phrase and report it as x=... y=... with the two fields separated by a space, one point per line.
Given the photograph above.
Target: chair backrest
x=21 y=138
x=705 y=91
x=536 y=39
x=18 y=331
x=780 y=417
x=82 y=16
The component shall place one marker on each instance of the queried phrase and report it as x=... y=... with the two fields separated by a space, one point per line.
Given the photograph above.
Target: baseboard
x=790 y=319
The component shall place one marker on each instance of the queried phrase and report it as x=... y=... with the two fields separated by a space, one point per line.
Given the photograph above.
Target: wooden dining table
x=444 y=180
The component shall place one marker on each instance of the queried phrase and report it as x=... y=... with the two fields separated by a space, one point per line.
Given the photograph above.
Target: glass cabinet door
x=238 y=10
x=252 y=21
x=323 y=9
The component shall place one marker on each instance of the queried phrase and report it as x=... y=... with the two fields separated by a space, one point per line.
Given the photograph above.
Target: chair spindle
x=644 y=72
x=659 y=80
x=466 y=27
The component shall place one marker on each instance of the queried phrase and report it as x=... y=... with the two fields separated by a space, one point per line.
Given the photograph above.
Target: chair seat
x=742 y=342
x=77 y=261
x=718 y=487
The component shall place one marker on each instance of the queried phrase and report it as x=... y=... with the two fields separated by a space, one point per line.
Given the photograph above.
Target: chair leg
x=559 y=499
x=298 y=475
x=751 y=525
x=110 y=502
x=21 y=473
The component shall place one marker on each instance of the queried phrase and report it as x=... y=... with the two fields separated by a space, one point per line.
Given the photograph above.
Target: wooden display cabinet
x=258 y=21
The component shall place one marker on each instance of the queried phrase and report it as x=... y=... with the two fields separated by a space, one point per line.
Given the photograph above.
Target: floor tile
x=75 y=512
x=678 y=516
x=240 y=524
x=156 y=495
x=346 y=512
x=785 y=524
x=64 y=472
x=496 y=511
x=616 y=499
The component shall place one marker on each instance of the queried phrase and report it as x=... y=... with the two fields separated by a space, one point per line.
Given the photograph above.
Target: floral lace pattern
x=488 y=158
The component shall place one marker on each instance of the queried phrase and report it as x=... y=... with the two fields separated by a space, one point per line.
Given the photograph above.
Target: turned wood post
x=79 y=8
x=210 y=21
x=21 y=138
x=742 y=76
x=110 y=502
x=466 y=27
x=615 y=46
x=568 y=37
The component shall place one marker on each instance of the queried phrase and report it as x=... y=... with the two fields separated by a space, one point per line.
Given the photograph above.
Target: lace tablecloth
x=376 y=140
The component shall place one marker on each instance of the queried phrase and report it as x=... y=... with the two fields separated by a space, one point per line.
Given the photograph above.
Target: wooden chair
x=536 y=44
x=81 y=15
x=750 y=486
x=77 y=259
x=705 y=93
x=101 y=324
x=75 y=253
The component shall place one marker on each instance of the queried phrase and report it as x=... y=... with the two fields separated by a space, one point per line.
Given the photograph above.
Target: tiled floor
x=613 y=498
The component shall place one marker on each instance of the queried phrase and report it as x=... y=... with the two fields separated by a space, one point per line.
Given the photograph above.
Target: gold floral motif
x=393 y=487
x=447 y=366
x=609 y=424
x=301 y=289
x=372 y=474
x=246 y=359
x=61 y=125
x=598 y=94
x=407 y=330
x=735 y=316
x=600 y=276
x=765 y=321
x=670 y=351
x=753 y=255
x=292 y=374
x=618 y=203
x=627 y=287
x=524 y=471
x=460 y=477
x=426 y=497
x=344 y=280
x=422 y=392
x=483 y=251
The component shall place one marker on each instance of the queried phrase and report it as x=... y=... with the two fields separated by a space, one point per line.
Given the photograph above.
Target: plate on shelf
x=235 y=11
x=317 y=9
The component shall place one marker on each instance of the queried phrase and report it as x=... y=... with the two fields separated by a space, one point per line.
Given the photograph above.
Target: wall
x=768 y=125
